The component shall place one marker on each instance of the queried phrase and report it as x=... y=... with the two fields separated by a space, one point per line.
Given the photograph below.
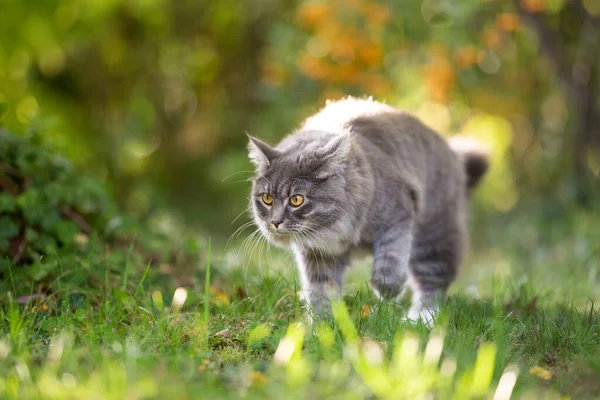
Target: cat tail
x=474 y=156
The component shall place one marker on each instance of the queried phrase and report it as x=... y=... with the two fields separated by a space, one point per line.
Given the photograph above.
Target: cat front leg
x=321 y=276
x=391 y=255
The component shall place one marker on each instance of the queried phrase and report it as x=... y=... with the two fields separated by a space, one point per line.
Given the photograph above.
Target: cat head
x=299 y=189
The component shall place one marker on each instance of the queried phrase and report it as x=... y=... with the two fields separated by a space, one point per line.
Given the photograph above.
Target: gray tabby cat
x=361 y=174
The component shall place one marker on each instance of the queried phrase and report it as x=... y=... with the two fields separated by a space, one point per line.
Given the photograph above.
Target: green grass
x=522 y=308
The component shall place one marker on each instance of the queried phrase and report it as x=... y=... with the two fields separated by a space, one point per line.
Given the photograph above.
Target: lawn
x=520 y=319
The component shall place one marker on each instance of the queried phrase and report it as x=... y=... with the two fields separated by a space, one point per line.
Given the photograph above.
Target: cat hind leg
x=432 y=269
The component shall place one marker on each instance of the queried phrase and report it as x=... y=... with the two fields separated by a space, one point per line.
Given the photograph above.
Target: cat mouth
x=280 y=232
x=280 y=237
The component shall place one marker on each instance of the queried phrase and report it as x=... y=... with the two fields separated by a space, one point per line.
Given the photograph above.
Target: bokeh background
x=153 y=96
x=150 y=99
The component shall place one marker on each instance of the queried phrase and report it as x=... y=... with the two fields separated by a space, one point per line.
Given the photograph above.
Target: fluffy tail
x=473 y=155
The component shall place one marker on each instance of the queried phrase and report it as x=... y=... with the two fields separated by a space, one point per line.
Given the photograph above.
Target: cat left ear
x=336 y=150
x=260 y=153
x=333 y=156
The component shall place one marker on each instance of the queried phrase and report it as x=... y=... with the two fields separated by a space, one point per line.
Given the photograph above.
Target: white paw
x=425 y=314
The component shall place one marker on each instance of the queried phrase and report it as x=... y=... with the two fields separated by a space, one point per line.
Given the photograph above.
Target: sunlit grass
x=520 y=323
x=115 y=351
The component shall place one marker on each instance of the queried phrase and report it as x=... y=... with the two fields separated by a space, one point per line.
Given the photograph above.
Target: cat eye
x=296 y=200
x=267 y=199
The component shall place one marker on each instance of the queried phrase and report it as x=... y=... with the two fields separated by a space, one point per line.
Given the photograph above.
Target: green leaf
x=4 y=264
x=46 y=244
x=55 y=193
x=49 y=324
x=31 y=205
x=4 y=245
x=41 y=270
x=78 y=300
x=8 y=203
x=122 y=296
x=8 y=230
x=80 y=314
x=259 y=333
x=66 y=231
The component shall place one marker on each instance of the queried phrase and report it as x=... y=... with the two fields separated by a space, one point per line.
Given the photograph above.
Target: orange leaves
x=533 y=5
x=313 y=67
x=371 y=55
x=551 y=6
x=439 y=75
x=376 y=14
x=346 y=46
x=347 y=73
x=274 y=74
x=343 y=49
x=350 y=48
x=466 y=57
x=508 y=22
x=313 y=14
x=439 y=80
x=491 y=38
x=376 y=84
x=316 y=14
x=350 y=63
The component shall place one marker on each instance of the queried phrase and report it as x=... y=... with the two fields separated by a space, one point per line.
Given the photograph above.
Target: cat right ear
x=260 y=153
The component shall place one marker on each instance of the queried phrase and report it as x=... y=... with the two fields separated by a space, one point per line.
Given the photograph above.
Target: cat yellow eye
x=296 y=200
x=267 y=199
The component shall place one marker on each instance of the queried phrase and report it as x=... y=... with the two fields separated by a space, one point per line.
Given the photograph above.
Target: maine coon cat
x=362 y=174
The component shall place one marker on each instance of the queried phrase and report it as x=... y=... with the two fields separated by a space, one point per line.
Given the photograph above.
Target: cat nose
x=276 y=224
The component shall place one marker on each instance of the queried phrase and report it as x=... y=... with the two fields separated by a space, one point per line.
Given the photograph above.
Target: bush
x=60 y=229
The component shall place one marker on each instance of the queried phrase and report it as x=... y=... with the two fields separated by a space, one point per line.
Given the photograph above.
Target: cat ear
x=260 y=153
x=333 y=156
x=336 y=150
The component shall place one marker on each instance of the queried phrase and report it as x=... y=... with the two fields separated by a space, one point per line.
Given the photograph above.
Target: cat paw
x=320 y=312
x=388 y=284
x=317 y=308
x=426 y=315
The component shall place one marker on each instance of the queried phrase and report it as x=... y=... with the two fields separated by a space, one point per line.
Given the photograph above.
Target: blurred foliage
x=143 y=94
x=457 y=65
x=154 y=96
x=60 y=230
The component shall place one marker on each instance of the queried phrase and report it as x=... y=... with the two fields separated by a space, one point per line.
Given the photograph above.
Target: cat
x=362 y=174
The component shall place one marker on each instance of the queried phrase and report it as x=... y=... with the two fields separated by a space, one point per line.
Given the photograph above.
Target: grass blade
x=207 y=287
x=126 y=272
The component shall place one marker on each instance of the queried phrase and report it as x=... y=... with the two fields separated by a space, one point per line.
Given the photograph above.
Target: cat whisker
x=247 y=209
x=247 y=224
x=249 y=250
x=238 y=232
x=245 y=262
x=236 y=173
x=317 y=235
x=246 y=243
x=269 y=252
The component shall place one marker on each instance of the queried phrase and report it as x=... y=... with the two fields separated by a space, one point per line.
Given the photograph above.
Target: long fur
x=372 y=177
